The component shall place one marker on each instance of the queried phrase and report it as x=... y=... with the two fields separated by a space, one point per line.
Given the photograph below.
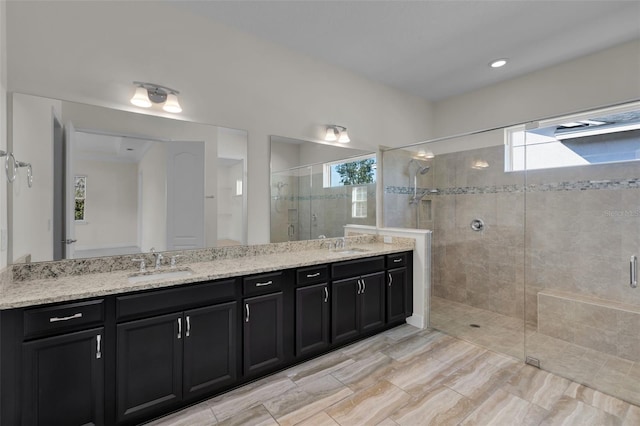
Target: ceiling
x=433 y=49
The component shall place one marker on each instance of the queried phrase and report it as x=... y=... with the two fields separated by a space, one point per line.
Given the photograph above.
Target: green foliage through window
x=80 y=196
x=356 y=172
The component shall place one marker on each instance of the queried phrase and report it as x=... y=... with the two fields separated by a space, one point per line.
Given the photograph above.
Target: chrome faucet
x=158 y=257
x=341 y=243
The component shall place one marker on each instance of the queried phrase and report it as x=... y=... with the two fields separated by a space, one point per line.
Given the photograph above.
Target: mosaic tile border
x=582 y=185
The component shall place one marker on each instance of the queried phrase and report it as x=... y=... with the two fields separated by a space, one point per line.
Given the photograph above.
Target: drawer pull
x=397 y=260
x=70 y=317
x=326 y=295
x=317 y=274
x=98 y=346
x=263 y=284
x=179 y=328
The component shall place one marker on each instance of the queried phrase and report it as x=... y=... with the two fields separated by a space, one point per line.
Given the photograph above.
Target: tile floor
x=407 y=376
x=610 y=374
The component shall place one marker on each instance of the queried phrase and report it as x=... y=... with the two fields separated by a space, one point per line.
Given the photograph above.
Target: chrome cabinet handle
x=364 y=286
x=98 y=346
x=359 y=287
x=390 y=279
x=326 y=295
x=633 y=272
x=188 y=326
x=246 y=309
x=397 y=260
x=317 y=274
x=70 y=317
x=263 y=284
x=179 y=328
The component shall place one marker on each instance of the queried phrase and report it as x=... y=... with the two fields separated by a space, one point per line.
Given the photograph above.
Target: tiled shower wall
x=582 y=226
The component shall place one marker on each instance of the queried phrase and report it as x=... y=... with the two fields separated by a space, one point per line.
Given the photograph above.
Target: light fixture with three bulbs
x=336 y=133
x=149 y=93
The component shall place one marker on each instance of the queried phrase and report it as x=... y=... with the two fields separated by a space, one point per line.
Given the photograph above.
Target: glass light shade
x=429 y=154
x=172 y=104
x=141 y=98
x=331 y=135
x=344 y=137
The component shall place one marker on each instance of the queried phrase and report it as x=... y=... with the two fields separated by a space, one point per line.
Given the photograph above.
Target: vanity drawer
x=264 y=283
x=155 y=302
x=63 y=318
x=398 y=260
x=354 y=268
x=312 y=275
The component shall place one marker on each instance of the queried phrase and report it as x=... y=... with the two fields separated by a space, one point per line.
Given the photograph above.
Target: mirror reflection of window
x=81 y=197
x=359 y=201
x=356 y=171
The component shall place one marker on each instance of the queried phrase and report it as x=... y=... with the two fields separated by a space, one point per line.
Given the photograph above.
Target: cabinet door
x=263 y=332
x=372 y=303
x=312 y=318
x=64 y=379
x=149 y=366
x=210 y=348
x=345 y=319
x=396 y=294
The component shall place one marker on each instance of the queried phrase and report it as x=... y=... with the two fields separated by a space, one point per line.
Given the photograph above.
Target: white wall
x=607 y=77
x=94 y=50
x=3 y=128
x=32 y=138
x=111 y=206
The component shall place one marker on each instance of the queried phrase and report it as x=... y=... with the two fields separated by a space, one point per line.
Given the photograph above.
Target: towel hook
x=29 y=172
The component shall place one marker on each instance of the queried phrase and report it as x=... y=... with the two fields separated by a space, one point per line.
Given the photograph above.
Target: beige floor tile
x=537 y=386
x=568 y=412
x=633 y=416
x=599 y=400
x=198 y=415
x=255 y=416
x=365 y=372
x=369 y=406
x=504 y=408
x=441 y=406
x=320 y=419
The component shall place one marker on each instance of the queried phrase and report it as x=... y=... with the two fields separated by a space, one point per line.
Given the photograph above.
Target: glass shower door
x=582 y=233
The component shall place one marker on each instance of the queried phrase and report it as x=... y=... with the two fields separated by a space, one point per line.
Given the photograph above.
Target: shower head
x=422 y=168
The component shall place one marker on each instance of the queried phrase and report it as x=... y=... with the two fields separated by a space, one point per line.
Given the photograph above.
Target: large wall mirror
x=108 y=182
x=316 y=189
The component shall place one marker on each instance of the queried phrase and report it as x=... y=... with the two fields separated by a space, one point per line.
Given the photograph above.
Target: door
x=210 y=349
x=345 y=319
x=64 y=379
x=263 y=332
x=372 y=302
x=70 y=191
x=185 y=195
x=396 y=295
x=149 y=366
x=312 y=318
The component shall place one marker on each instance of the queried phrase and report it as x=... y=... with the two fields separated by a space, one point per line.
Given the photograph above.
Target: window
x=359 y=201
x=81 y=197
x=601 y=136
x=238 y=186
x=355 y=171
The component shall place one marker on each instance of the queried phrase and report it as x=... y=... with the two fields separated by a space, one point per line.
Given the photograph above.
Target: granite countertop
x=17 y=294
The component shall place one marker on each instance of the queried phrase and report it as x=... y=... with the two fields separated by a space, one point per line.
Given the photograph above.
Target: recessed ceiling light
x=498 y=63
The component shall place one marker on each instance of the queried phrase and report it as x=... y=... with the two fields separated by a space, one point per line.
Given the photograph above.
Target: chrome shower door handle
x=633 y=272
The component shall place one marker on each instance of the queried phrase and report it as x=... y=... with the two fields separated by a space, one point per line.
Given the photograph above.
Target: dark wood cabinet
x=210 y=349
x=165 y=359
x=312 y=319
x=396 y=295
x=63 y=379
x=263 y=333
x=357 y=306
x=149 y=366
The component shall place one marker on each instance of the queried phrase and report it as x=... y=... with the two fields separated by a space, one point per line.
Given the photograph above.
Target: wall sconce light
x=336 y=133
x=149 y=93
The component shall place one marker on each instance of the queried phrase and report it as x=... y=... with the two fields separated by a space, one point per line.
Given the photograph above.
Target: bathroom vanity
x=112 y=352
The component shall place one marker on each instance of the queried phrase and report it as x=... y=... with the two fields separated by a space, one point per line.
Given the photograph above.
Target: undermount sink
x=159 y=275
x=351 y=251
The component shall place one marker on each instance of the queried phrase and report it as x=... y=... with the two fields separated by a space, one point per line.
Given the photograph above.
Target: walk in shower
x=536 y=228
